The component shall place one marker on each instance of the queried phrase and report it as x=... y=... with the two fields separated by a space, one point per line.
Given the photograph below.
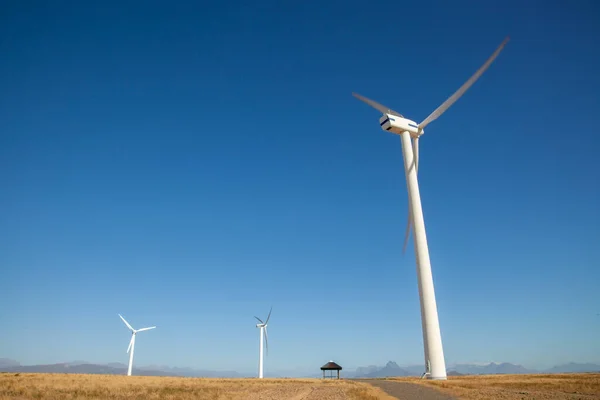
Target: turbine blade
x=266 y=341
x=376 y=105
x=146 y=329
x=126 y=323
x=415 y=147
x=269 y=316
x=445 y=105
x=408 y=229
x=259 y=320
x=130 y=343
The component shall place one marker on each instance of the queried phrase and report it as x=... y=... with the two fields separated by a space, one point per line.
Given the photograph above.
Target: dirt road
x=406 y=390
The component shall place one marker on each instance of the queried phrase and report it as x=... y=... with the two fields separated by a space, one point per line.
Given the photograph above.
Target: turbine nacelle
x=398 y=125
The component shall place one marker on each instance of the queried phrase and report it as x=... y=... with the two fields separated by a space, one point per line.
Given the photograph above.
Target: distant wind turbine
x=263 y=329
x=132 y=342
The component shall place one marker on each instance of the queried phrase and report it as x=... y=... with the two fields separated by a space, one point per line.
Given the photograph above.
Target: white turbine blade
x=259 y=320
x=445 y=105
x=130 y=343
x=146 y=329
x=415 y=147
x=269 y=316
x=376 y=105
x=126 y=323
x=408 y=229
x=266 y=340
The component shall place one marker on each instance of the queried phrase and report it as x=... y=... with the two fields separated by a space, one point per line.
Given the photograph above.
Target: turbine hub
x=418 y=134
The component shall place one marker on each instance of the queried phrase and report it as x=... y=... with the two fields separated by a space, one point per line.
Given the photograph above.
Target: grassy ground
x=116 y=387
x=512 y=387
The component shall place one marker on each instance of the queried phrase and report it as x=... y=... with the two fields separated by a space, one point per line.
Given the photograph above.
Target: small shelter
x=331 y=366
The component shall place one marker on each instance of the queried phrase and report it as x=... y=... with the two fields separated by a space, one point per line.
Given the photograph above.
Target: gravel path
x=407 y=390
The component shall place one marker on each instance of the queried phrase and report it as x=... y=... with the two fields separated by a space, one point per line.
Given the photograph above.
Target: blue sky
x=190 y=165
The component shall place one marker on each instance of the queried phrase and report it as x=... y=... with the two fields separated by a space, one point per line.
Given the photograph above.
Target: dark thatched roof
x=331 y=365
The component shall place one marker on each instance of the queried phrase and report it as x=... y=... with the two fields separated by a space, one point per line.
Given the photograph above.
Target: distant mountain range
x=573 y=367
x=390 y=369
x=393 y=369
x=82 y=367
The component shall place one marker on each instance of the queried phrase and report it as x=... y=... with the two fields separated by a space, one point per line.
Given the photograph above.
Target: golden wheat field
x=116 y=387
x=512 y=387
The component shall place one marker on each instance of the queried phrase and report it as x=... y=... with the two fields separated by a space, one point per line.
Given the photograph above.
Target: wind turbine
x=132 y=342
x=410 y=131
x=263 y=329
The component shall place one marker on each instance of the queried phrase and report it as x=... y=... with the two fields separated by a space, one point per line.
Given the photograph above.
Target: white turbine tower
x=132 y=342
x=263 y=329
x=410 y=131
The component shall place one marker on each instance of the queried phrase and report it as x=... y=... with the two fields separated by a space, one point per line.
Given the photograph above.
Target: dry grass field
x=512 y=387
x=116 y=387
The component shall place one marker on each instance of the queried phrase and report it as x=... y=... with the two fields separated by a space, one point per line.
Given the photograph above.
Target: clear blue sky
x=190 y=165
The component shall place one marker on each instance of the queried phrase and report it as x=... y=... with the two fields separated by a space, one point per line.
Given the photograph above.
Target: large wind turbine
x=132 y=342
x=263 y=329
x=410 y=131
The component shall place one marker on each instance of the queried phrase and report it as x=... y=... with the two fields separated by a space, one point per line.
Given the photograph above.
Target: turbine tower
x=263 y=330
x=410 y=131
x=132 y=342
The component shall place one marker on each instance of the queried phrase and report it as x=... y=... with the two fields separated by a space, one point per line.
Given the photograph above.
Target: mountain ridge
x=492 y=368
x=118 y=369
x=391 y=368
